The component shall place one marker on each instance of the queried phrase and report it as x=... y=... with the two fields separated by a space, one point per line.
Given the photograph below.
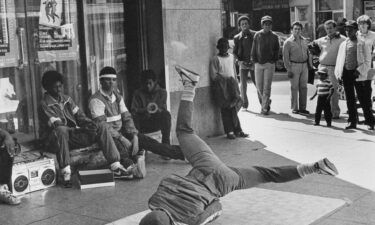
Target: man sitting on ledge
x=149 y=107
x=63 y=126
x=194 y=199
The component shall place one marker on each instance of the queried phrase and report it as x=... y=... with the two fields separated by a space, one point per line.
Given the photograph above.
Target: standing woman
x=227 y=94
x=366 y=42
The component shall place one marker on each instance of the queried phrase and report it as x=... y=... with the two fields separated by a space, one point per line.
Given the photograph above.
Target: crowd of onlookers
x=342 y=61
x=120 y=132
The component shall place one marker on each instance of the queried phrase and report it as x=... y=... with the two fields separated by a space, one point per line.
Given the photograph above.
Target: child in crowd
x=324 y=90
x=226 y=91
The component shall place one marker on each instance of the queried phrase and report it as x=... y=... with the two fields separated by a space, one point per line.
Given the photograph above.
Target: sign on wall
x=8 y=37
x=370 y=10
x=56 y=34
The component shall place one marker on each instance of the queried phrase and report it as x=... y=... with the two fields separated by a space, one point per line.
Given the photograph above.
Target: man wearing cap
x=347 y=69
x=296 y=57
x=243 y=43
x=264 y=54
x=329 y=46
x=108 y=105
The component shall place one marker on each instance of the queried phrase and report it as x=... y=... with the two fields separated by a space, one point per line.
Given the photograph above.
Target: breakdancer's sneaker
x=139 y=169
x=187 y=76
x=8 y=198
x=326 y=167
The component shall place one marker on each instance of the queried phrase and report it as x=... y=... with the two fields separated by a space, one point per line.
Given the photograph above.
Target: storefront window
x=323 y=5
x=105 y=38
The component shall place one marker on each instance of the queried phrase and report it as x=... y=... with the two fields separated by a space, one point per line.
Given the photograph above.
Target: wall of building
x=190 y=30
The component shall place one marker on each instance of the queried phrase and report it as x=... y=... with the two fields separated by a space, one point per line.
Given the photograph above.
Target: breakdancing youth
x=194 y=199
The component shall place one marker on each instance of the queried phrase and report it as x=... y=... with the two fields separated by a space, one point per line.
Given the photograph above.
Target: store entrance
x=36 y=36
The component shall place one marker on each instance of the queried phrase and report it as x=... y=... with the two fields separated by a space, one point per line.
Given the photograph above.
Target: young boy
x=324 y=90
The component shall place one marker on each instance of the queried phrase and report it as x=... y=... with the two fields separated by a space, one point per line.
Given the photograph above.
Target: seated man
x=7 y=148
x=107 y=105
x=194 y=199
x=149 y=107
x=63 y=126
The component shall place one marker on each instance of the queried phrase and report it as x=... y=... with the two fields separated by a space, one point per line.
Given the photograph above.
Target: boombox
x=33 y=175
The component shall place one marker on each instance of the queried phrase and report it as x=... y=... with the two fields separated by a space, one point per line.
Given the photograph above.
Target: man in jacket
x=265 y=53
x=107 y=105
x=7 y=151
x=63 y=126
x=243 y=43
x=194 y=198
x=295 y=56
x=149 y=107
x=329 y=47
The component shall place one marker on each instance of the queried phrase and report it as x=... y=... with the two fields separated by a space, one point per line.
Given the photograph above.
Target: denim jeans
x=299 y=86
x=244 y=78
x=263 y=77
x=64 y=138
x=219 y=178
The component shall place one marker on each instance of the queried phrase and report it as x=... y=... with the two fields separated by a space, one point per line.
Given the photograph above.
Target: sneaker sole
x=330 y=167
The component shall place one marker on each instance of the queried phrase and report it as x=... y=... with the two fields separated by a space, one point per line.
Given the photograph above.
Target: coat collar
x=52 y=101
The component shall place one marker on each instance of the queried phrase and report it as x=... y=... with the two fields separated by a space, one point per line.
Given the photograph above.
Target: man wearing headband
x=64 y=126
x=108 y=105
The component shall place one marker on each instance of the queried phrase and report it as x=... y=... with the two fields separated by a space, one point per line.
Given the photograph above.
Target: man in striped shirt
x=324 y=90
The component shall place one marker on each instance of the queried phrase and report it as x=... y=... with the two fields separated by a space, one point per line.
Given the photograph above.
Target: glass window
x=323 y=5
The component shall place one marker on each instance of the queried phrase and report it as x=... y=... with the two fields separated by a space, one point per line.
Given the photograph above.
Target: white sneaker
x=122 y=173
x=326 y=167
x=139 y=170
x=7 y=197
x=187 y=76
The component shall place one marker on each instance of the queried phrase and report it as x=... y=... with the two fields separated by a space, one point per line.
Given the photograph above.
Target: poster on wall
x=56 y=34
x=8 y=38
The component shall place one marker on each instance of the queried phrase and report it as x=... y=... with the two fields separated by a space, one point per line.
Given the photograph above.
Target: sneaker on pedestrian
x=139 y=169
x=187 y=76
x=7 y=197
x=231 y=136
x=326 y=167
x=295 y=111
x=304 y=111
x=350 y=125
x=241 y=134
x=122 y=173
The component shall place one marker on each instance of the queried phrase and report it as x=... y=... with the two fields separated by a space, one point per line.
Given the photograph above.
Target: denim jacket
x=64 y=110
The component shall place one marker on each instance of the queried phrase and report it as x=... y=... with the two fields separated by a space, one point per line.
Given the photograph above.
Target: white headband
x=108 y=76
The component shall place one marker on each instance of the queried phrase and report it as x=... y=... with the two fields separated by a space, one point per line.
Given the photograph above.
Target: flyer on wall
x=8 y=38
x=57 y=40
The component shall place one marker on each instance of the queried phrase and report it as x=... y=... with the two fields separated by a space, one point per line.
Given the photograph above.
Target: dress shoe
x=295 y=111
x=241 y=134
x=370 y=127
x=231 y=136
x=351 y=126
x=304 y=111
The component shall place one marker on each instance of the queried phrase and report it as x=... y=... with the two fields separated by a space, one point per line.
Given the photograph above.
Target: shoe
x=7 y=197
x=316 y=124
x=67 y=184
x=139 y=169
x=122 y=173
x=187 y=76
x=265 y=113
x=370 y=127
x=269 y=106
x=241 y=134
x=351 y=125
x=295 y=111
x=231 y=136
x=329 y=125
x=304 y=111
x=325 y=167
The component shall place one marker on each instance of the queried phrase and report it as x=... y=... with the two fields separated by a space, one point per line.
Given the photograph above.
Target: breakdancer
x=194 y=199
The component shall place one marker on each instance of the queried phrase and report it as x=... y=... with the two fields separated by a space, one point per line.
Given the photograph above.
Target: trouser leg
x=165 y=125
x=335 y=96
x=348 y=81
x=244 y=73
x=59 y=141
x=236 y=121
x=294 y=85
x=253 y=176
x=364 y=92
x=6 y=165
x=268 y=76
x=123 y=145
x=152 y=145
x=303 y=86
x=107 y=144
x=319 y=109
x=226 y=117
x=327 y=112
x=252 y=75
x=259 y=78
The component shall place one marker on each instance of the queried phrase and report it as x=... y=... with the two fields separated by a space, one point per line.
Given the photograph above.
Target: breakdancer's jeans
x=209 y=169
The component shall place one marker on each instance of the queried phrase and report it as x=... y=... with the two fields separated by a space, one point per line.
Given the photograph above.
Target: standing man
x=264 y=54
x=243 y=43
x=108 y=105
x=149 y=107
x=329 y=46
x=7 y=151
x=296 y=58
